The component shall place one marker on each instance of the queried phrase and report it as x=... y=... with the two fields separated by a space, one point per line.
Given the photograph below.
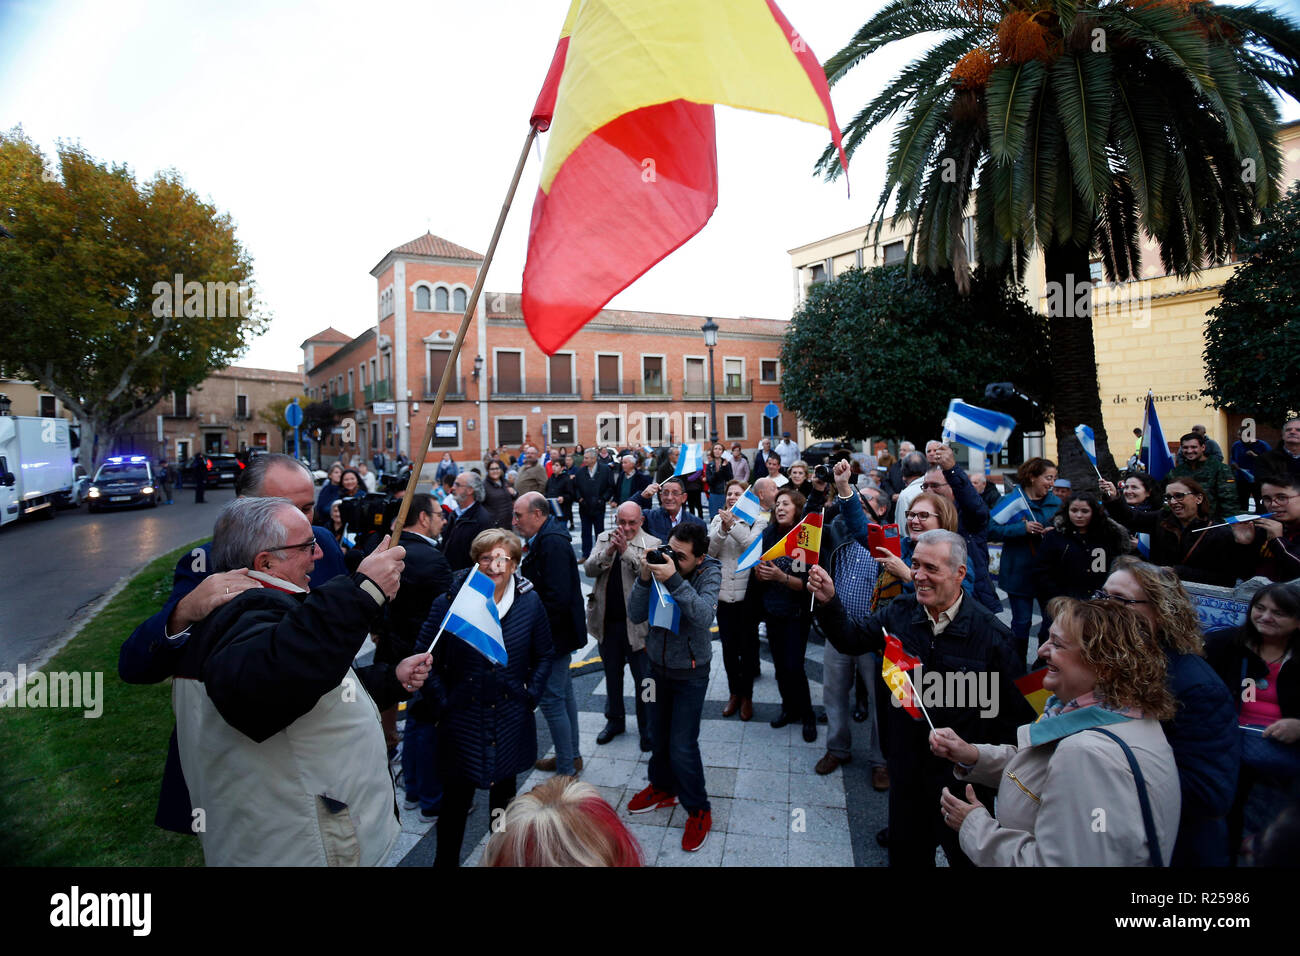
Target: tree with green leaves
x=113 y=295
x=1252 y=341
x=273 y=414
x=1077 y=125
x=881 y=351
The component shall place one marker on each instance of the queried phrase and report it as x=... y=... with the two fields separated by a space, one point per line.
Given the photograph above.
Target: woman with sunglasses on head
x=487 y=734
x=1203 y=731
x=1020 y=543
x=1257 y=662
x=1178 y=536
x=1078 y=550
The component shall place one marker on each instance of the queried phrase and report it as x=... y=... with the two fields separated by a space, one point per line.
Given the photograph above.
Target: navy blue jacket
x=147 y=657
x=484 y=712
x=593 y=493
x=640 y=481
x=553 y=569
x=1203 y=735
x=973 y=525
x=464 y=529
x=659 y=524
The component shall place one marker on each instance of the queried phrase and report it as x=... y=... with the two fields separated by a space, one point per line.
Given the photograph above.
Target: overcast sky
x=332 y=132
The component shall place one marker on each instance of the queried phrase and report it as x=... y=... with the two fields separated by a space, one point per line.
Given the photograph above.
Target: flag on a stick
x=1011 y=508
x=751 y=556
x=747 y=507
x=1155 y=455
x=805 y=537
x=1089 y=442
x=1031 y=686
x=473 y=617
x=664 y=611
x=892 y=668
x=632 y=139
x=977 y=428
x=690 y=459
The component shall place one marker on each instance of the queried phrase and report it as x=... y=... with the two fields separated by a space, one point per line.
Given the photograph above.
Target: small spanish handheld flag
x=895 y=662
x=806 y=537
x=1031 y=685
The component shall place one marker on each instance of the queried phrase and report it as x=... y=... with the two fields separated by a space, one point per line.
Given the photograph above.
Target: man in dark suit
x=469 y=493
x=762 y=455
x=595 y=487
x=671 y=512
x=550 y=564
x=629 y=483
x=425 y=576
x=154 y=649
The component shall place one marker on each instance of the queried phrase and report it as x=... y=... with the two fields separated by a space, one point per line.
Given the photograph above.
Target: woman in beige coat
x=1093 y=781
x=729 y=537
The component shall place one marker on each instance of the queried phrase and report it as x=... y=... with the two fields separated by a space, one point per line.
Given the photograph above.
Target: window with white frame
x=733 y=375
x=181 y=404
x=736 y=428
x=458 y=300
x=423 y=302
x=562 y=431
x=769 y=371
x=440 y=300
x=241 y=406
x=609 y=429
x=655 y=430
x=652 y=374
x=435 y=361
x=509 y=373
x=696 y=381
x=697 y=427
x=609 y=373
x=560 y=369
x=895 y=253
x=510 y=432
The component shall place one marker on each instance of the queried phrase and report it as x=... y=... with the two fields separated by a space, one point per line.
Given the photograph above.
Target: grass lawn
x=83 y=792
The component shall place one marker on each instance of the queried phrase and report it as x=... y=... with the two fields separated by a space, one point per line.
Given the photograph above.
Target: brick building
x=628 y=378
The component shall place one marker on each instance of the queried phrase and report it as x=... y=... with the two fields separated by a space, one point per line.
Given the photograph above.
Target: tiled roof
x=431 y=245
x=259 y=374
x=618 y=319
x=330 y=334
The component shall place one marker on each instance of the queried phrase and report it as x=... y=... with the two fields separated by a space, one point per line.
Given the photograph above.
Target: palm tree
x=1075 y=124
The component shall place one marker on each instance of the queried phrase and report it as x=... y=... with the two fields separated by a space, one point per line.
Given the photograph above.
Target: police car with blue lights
x=123 y=481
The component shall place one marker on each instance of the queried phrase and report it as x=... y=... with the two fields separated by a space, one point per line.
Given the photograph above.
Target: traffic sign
x=771 y=411
x=293 y=414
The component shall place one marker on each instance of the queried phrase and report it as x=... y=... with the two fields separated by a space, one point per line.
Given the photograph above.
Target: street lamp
x=710 y=330
x=478 y=366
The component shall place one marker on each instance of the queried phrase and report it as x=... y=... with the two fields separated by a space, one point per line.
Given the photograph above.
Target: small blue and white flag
x=1155 y=455
x=1144 y=545
x=555 y=507
x=1089 y=442
x=977 y=428
x=1011 y=508
x=1239 y=519
x=751 y=556
x=664 y=611
x=748 y=508
x=349 y=539
x=473 y=617
x=690 y=459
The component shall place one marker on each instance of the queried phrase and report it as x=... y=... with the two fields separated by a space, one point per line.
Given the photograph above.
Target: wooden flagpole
x=417 y=463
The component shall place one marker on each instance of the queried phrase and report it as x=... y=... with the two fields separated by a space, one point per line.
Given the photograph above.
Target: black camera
x=662 y=555
x=823 y=473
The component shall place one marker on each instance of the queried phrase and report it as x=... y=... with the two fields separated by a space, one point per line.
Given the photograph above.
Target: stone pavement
x=769 y=806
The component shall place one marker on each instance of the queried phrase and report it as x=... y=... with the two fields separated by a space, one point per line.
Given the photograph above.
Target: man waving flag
x=631 y=168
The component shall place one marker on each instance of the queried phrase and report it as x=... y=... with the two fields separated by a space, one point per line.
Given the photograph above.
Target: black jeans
x=916 y=824
x=787 y=639
x=615 y=652
x=592 y=526
x=457 y=795
x=675 y=763
x=739 y=633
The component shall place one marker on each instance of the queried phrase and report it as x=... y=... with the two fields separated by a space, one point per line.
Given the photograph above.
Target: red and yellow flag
x=1031 y=685
x=804 y=541
x=631 y=169
x=895 y=661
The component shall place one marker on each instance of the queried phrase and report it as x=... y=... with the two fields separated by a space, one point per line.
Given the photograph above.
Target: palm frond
x=1012 y=91
x=1083 y=96
x=1139 y=133
x=896 y=21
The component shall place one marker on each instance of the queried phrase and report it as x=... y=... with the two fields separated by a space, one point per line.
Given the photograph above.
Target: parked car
x=123 y=481
x=818 y=452
x=223 y=469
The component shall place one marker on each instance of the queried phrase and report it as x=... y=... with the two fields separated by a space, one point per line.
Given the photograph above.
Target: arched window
x=440 y=299
x=458 y=301
x=422 y=298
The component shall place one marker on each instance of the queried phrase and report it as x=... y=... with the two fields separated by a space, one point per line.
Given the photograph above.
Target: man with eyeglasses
x=913 y=471
x=1276 y=541
x=150 y=655
x=659 y=522
x=1284 y=460
x=469 y=492
x=948 y=479
x=280 y=746
x=1214 y=476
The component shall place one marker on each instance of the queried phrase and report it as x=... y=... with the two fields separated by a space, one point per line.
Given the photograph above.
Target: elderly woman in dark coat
x=484 y=711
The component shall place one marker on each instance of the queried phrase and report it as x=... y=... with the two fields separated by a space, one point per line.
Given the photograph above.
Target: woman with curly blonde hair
x=562 y=822
x=1093 y=781
x=1203 y=731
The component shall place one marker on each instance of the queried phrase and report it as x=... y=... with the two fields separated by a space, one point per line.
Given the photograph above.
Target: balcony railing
x=735 y=391
x=634 y=388
x=376 y=391
x=536 y=389
x=455 y=390
x=342 y=402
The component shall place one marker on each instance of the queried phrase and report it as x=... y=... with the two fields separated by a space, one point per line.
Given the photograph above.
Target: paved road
x=49 y=570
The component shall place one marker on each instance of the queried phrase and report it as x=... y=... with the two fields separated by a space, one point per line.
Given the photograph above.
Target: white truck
x=36 y=470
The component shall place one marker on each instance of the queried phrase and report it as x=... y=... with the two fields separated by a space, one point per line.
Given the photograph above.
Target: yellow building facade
x=1149 y=333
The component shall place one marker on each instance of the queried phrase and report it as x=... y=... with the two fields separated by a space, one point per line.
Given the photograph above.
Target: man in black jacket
x=279 y=747
x=964 y=681
x=550 y=564
x=469 y=492
x=629 y=483
x=595 y=486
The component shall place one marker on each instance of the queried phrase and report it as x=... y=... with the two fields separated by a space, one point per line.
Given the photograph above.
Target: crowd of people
x=1182 y=744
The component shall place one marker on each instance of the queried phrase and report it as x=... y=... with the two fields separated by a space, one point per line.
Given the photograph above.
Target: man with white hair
x=960 y=646
x=630 y=482
x=281 y=748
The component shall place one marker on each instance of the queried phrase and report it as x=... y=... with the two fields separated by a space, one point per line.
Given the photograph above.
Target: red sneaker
x=698 y=825
x=651 y=798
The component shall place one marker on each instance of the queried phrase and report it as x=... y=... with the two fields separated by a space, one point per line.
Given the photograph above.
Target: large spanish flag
x=631 y=169
x=803 y=541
